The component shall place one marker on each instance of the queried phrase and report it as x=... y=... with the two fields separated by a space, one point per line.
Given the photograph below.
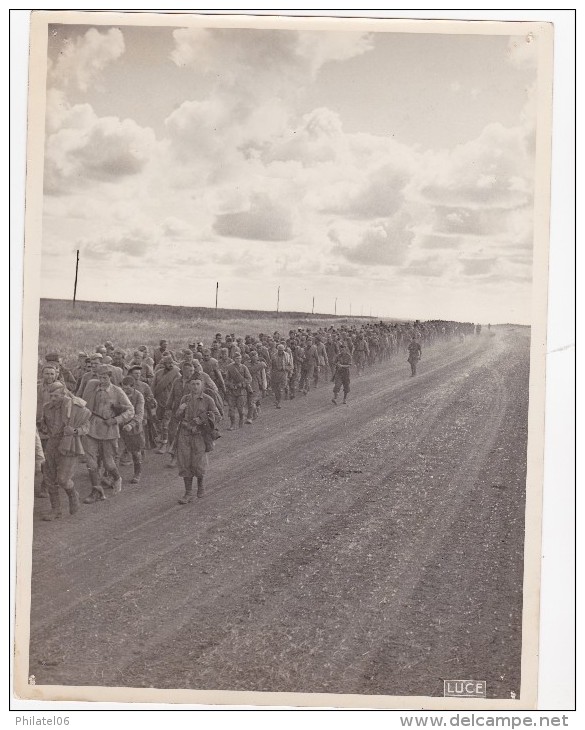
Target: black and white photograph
x=285 y=296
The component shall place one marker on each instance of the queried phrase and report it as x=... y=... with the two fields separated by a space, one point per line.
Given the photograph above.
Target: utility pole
x=335 y=311
x=350 y=309
x=277 y=301
x=216 y=296
x=75 y=285
x=313 y=307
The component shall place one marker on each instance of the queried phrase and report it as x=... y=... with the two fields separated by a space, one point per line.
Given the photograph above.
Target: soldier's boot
x=334 y=399
x=126 y=458
x=241 y=423
x=117 y=485
x=200 y=488
x=188 y=496
x=173 y=462
x=43 y=492
x=137 y=472
x=163 y=448
x=232 y=426
x=55 y=512
x=73 y=497
x=344 y=400
x=97 y=492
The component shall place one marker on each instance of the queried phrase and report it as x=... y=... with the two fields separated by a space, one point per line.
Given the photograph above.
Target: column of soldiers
x=111 y=407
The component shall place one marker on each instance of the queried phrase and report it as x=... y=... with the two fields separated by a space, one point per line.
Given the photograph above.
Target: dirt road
x=374 y=548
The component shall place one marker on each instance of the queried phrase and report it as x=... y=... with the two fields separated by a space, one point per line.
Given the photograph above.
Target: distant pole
x=277 y=301
x=313 y=307
x=350 y=309
x=335 y=311
x=75 y=285
x=216 y=295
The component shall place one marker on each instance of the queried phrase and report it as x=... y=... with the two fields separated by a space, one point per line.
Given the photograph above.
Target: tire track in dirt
x=230 y=662
x=153 y=573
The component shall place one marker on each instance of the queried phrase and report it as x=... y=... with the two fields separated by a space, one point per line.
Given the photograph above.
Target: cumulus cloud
x=383 y=243
x=320 y=48
x=493 y=170
x=271 y=53
x=265 y=220
x=90 y=148
x=134 y=244
x=82 y=60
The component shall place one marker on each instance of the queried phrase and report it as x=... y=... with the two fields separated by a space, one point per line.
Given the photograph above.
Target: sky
x=388 y=174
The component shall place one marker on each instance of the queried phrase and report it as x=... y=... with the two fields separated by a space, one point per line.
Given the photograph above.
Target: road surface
x=373 y=548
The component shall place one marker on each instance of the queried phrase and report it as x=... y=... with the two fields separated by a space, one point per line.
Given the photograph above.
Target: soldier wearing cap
x=257 y=369
x=48 y=377
x=238 y=383
x=110 y=409
x=63 y=374
x=281 y=367
x=149 y=428
x=132 y=431
x=414 y=354
x=65 y=420
x=163 y=349
x=95 y=361
x=343 y=363
x=162 y=384
x=79 y=369
x=119 y=361
x=146 y=371
x=178 y=389
x=197 y=417
x=210 y=367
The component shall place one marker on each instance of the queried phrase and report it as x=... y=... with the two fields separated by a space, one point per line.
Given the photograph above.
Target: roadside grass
x=69 y=330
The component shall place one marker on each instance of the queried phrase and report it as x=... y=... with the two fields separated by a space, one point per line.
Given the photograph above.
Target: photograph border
x=535 y=472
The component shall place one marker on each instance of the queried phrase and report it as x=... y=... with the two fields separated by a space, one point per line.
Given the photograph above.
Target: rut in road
x=311 y=426
x=191 y=611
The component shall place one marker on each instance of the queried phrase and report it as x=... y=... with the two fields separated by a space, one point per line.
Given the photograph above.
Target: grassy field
x=68 y=330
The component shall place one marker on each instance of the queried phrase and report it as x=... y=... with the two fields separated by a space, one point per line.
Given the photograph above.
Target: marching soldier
x=343 y=362
x=197 y=416
x=65 y=420
x=414 y=354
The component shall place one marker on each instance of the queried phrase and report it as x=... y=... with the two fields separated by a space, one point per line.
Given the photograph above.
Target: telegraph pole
x=335 y=310
x=75 y=285
x=313 y=307
x=216 y=296
x=277 y=301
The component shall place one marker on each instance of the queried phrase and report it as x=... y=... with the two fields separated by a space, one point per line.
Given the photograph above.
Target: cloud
x=383 y=243
x=493 y=170
x=433 y=241
x=477 y=266
x=432 y=266
x=89 y=148
x=134 y=244
x=265 y=220
x=275 y=55
x=382 y=194
x=81 y=61
x=255 y=79
x=320 y=48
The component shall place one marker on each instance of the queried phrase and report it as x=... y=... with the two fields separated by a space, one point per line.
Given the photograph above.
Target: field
x=68 y=330
x=370 y=549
